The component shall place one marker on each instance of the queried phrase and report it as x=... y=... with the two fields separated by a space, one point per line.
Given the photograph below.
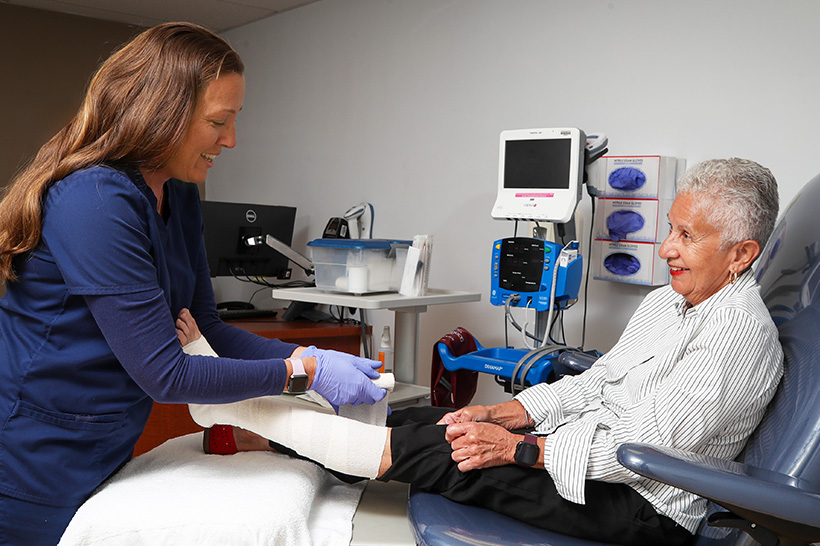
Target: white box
x=358 y=266
x=659 y=175
x=652 y=270
x=653 y=211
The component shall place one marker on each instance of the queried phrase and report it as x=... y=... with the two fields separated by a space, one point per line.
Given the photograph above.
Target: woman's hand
x=465 y=415
x=481 y=445
x=509 y=415
x=187 y=330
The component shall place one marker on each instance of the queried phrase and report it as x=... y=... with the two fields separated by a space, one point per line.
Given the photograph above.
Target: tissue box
x=658 y=176
x=653 y=211
x=647 y=267
x=358 y=266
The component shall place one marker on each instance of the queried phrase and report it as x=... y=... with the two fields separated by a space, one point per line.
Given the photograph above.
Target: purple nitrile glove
x=343 y=378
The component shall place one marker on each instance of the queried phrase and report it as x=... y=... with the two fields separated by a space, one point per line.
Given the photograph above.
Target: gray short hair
x=737 y=196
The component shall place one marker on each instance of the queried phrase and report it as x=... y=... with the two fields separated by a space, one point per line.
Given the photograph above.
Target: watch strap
x=298 y=366
x=298 y=382
x=527 y=451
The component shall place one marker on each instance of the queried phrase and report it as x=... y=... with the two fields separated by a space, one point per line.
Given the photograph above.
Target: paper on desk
x=417 y=267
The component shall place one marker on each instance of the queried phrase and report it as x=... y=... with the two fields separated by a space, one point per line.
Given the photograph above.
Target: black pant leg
x=417 y=414
x=612 y=513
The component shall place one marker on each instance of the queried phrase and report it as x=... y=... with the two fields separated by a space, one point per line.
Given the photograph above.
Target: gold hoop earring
x=732 y=277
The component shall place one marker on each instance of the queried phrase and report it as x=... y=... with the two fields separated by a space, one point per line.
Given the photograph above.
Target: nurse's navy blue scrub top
x=87 y=335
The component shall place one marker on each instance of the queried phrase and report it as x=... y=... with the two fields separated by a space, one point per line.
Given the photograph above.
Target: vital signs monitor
x=540 y=174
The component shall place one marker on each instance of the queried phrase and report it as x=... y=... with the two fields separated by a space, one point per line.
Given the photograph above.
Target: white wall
x=400 y=102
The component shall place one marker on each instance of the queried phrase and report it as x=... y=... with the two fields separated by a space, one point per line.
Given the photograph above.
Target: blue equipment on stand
x=541 y=172
x=530 y=268
x=502 y=362
x=531 y=273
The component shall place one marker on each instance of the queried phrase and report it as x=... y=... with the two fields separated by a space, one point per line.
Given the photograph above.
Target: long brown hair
x=137 y=109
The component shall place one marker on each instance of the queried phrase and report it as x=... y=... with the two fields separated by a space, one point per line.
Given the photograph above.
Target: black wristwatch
x=299 y=378
x=526 y=452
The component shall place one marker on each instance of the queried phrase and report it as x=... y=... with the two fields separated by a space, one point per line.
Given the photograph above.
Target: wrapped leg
x=337 y=442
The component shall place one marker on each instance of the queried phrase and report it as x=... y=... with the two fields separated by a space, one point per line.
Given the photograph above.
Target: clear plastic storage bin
x=359 y=266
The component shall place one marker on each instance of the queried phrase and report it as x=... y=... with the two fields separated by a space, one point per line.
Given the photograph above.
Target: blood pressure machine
x=541 y=173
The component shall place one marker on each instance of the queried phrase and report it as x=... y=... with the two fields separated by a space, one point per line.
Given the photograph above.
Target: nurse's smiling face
x=698 y=264
x=212 y=128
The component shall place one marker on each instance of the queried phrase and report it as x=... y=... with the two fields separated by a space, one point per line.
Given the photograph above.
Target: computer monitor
x=540 y=174
x=228 y=225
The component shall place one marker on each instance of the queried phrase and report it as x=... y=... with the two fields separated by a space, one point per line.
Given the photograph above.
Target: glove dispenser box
x=629 y=262
x=641 y=220
x=635 y=194
x=636 y=176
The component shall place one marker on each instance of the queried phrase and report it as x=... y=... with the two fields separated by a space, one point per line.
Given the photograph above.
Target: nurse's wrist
x=309 y=363
x=297 y=352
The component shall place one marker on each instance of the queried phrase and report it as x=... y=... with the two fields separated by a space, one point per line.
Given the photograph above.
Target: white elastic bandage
x=351 y=442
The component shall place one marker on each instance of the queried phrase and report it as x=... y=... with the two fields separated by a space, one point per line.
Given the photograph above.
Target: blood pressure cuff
x=623 y=222
x=627 y=179
x=453 y=389
x=621 y=263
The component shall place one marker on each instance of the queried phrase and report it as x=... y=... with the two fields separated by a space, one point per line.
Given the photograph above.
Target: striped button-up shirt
x=694 y=378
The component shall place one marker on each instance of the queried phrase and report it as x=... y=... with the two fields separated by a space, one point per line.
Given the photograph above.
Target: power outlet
x=545 y=232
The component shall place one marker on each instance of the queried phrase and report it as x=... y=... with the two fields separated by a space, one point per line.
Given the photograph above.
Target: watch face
x=298 y=384
x=526 y=454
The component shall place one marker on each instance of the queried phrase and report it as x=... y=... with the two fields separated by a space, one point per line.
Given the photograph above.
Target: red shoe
x=218 y=440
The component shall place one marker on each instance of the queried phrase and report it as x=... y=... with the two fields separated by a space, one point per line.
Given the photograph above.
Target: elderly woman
x=101 y=246
x=694 y=369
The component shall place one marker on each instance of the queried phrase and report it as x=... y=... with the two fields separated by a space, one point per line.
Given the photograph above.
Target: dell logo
x=250 y=215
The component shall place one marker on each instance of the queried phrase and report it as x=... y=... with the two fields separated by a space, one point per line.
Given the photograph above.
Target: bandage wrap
x=351 y=442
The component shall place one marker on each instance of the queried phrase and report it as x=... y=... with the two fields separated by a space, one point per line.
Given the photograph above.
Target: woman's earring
x=732 y=277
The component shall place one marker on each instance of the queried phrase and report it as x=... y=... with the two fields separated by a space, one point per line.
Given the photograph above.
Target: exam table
x=176 y=495
x=772 y=492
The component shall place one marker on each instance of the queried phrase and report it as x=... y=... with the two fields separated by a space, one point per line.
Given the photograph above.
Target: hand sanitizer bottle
x=386 y=351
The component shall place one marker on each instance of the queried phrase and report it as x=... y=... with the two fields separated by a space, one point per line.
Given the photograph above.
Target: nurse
x=101 y=249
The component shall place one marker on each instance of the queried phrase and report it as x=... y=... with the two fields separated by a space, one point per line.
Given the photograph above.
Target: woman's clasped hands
x=477 y=440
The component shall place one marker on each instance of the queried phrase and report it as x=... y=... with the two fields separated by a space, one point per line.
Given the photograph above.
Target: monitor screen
x=227 y=225
x=540 y=174
x=537 y=163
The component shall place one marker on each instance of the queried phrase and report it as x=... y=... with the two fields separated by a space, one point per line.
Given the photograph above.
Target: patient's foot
x=227 y=440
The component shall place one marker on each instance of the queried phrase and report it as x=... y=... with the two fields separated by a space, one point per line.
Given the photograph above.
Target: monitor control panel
x=526 y=267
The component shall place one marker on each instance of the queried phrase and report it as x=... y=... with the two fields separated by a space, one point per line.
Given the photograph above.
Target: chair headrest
x=788 y=439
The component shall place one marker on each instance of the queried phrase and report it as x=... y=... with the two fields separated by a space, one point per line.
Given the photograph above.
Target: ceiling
x=218 y=15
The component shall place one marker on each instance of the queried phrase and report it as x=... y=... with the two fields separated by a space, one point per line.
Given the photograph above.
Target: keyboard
x=241 y=314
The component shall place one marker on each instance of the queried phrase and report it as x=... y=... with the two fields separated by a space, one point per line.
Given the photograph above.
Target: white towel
x=176 y=495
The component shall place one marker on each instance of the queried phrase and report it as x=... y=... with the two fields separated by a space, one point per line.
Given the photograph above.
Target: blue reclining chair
x=771 y=494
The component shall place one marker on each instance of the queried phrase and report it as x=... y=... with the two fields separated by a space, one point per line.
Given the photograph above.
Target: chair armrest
x=774 y=500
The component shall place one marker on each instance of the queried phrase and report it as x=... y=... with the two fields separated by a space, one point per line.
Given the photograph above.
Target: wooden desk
x=172 y=420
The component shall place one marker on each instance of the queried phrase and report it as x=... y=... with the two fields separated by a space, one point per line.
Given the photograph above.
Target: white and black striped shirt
x=697 y=379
